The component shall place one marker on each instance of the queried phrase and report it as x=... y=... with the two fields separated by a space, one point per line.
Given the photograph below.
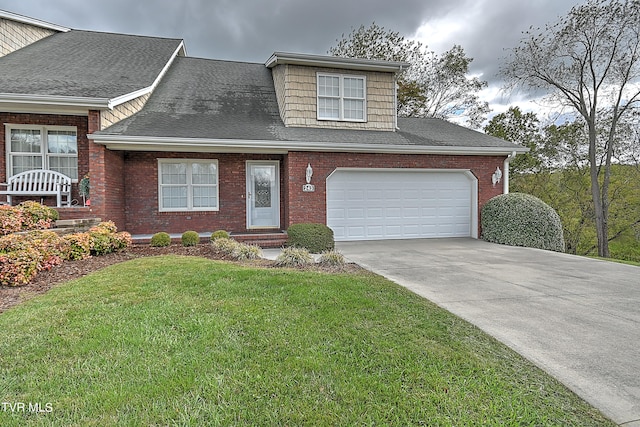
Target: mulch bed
x=68 y=270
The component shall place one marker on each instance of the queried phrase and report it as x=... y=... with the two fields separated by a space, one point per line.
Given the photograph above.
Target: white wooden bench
x=41 y=183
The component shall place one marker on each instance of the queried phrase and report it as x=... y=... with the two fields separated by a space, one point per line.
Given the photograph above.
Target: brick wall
x=16 y=35
x=141 y=194
x=80 y=122
x=298 y=103
x=311 y=207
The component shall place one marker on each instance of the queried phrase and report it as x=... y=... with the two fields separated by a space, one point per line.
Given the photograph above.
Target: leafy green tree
x=434 y=85
x=521 y=128
x=589 y=61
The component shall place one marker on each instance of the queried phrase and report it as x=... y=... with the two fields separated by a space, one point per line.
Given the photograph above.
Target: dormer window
x=342 y=97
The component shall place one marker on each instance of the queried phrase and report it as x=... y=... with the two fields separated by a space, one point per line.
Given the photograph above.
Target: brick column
x=106 y=169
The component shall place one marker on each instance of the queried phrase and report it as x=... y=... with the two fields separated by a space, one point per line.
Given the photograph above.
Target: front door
x=263 y=194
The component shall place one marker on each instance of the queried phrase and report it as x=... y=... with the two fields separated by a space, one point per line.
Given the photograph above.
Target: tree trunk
x=598 y=207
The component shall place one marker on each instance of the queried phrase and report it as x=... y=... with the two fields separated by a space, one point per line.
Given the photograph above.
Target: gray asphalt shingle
x=86 y=64
x=212 y=99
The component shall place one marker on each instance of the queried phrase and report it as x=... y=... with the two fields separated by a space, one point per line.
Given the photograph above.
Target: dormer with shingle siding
x=18 y=31
x=335 y=93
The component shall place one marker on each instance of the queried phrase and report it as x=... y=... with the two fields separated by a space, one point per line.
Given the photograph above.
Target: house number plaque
x=308 y=188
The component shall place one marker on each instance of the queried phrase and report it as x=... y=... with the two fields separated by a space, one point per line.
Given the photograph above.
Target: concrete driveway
x=574 y=317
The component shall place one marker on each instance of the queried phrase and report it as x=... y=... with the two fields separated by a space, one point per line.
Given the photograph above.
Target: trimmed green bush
x=160 y=239
x=519 y=219
x=219 y=234
x=316 y=238
x=190 y=238
x=294 y=257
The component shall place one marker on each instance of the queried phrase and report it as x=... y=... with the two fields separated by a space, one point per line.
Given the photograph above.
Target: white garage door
x=376 y=204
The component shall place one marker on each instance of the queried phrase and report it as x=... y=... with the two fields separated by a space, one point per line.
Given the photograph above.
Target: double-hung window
x=42 y=147
x=187 y=185
x=342 y=97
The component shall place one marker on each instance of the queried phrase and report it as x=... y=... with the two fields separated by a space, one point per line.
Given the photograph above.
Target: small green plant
x=332 y=258
x=160 y=239
x=190 y=238
x=294 y=257
x=244 y=252
x=317 y=238
x=225 y=246
x=519 y=219
x=219 y=234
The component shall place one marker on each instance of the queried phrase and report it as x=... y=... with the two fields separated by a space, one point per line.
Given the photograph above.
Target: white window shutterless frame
x=341 y=97
x=187 y=185
x=31 y=147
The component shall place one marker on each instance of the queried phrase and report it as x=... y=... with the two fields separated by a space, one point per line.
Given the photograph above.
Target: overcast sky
x=251 y=30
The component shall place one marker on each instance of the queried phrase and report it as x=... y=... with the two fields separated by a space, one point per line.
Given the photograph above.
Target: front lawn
x=189 y=341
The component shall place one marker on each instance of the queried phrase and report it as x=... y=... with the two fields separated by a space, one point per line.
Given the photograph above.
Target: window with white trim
x=187 y=185
x=42 y=147
x=342 y=97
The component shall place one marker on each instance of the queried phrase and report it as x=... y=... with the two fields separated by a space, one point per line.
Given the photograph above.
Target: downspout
x=395 y=101
x=505 y=168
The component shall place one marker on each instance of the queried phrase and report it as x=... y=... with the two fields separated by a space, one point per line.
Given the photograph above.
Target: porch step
x=264 y=240
x=78 y=225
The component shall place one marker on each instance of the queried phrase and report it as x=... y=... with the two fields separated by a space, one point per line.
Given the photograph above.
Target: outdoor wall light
x=496 y=177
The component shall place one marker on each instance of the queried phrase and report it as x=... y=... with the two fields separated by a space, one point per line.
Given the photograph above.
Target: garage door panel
x=375 y=204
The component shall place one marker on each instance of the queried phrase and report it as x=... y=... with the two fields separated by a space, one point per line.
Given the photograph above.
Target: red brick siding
x=141 y=188
x=311 y=207
x=80 y=122
x=107 y=179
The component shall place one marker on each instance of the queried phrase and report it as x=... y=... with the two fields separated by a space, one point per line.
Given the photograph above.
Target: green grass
x=188 y=341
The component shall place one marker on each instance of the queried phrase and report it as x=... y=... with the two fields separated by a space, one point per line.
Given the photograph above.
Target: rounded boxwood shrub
x=316 y=238
x=160 y=239
x=519 y=219
x=190 y=238
x=219 y=234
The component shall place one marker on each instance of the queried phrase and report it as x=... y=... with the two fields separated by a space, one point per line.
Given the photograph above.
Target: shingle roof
x=86 y=64
x=212 y=99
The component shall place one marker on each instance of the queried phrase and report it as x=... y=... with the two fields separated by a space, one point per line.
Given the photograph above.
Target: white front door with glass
x=263 y=194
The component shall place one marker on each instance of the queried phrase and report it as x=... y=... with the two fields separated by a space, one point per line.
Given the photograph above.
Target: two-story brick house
x=174 y=143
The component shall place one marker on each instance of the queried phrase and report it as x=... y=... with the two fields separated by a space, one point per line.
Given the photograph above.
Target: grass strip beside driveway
x=189 y=341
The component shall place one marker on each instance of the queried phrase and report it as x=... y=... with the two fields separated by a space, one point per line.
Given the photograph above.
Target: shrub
x=105 y=240
x=160 y=239
x=219 y=234
x=316 y=238
x=244 y=252
x=18 y=267
x=294 y=257
x=36 y=216
x=332 y=258
x=10 y=220
x=519 y=219
x=79 y=246
x=225 y=246
x=190 y=238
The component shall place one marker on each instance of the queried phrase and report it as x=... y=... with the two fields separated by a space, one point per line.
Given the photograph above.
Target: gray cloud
x=250 y=30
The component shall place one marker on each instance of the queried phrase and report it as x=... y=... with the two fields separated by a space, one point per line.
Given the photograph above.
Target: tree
x=434 y=85
x=589 y=61
x=521 y=128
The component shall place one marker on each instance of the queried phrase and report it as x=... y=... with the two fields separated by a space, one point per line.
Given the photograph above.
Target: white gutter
x=133 y=95
x=66 y=101
x=359 y=64
x=137 y=143
x=32 y=21
x=505 y=168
